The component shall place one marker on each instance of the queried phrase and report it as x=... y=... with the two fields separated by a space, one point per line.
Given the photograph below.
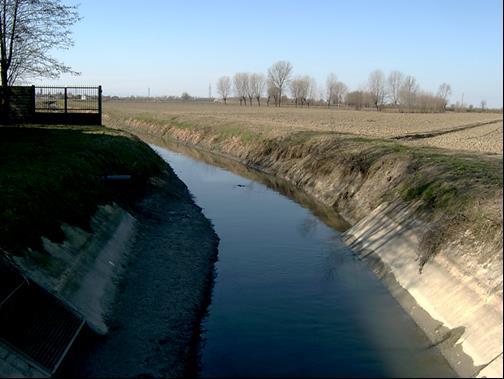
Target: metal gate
x=51 y=105
x=36 y=325
x=68 y=105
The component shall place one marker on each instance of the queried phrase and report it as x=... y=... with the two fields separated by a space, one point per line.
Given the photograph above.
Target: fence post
x=66 y=101
x=100 y=103
x=33 y=105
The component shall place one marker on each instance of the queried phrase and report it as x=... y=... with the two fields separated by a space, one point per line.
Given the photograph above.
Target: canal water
x=290 y=299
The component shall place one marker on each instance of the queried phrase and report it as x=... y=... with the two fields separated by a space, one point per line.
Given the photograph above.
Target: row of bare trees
x=398 y=91
x=395 y=90
x=403 y=92
x=251 y=87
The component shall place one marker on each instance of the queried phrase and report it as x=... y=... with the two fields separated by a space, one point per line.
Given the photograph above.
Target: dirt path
x=486 y=139
x=439 y=132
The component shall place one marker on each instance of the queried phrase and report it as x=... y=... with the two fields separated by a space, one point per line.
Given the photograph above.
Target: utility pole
x=148 y=92
x=210 y=92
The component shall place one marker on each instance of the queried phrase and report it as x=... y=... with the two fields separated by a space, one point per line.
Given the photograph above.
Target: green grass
x=444 y=181
x=436 y=195
x=52 y=175
x=222 y=133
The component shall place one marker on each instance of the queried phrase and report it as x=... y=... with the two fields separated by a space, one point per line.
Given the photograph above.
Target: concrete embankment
x=84 y=268
x=149 y=222
x=163 y=292
x=141 y=277
x=429 y=222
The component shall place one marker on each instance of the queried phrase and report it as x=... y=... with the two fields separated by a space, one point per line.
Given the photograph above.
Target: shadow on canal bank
x=162 y=295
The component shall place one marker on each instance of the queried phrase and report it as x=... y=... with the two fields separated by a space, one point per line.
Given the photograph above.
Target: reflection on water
x=290 y=299
x=254 y=180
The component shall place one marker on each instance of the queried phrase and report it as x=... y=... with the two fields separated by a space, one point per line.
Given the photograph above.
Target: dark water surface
x=290 y=299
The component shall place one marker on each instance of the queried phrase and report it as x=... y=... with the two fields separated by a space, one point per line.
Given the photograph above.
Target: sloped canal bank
x=161 y=294
x=290 y=299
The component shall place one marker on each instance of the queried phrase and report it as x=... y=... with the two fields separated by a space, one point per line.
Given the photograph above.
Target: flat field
x=476 y=132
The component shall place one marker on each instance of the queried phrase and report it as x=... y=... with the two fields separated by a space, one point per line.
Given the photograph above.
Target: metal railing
x=37 y=325
x=68 y=99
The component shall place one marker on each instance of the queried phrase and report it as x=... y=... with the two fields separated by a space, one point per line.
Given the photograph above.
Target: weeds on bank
x=445 y=183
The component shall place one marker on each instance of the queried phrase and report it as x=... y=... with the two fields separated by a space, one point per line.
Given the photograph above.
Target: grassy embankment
x=453 y=191
x=53 y=175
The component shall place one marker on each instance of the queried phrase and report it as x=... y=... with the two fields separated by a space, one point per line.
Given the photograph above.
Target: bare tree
x=249 y=89
x=427 y=102
x=355 y=99
x=256 y=85
x=241 y=83
x=224 y=87
x=272 y=93
x=394 y=83
x=340 y=91
x=279 y=75
x=336 y=90
x=312 y=95
x=408 y=91
x=444 y=93
x=483 y=105
x=322 y=93
x=376 y=83
x=331 y=83
x=298 y=89
x=359 y=99
x=295 y=89
x=303 y=90
x=29 y=31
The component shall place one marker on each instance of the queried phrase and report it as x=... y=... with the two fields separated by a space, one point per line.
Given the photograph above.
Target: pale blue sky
x=175 y=46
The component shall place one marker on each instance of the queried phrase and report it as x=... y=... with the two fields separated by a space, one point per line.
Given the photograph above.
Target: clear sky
x=174 y=46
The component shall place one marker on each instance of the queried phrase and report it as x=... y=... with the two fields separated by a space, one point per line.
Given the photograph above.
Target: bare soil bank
x=431 y=220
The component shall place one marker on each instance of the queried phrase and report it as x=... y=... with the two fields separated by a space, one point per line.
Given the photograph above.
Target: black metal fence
x=68 y=99
x=52 y=105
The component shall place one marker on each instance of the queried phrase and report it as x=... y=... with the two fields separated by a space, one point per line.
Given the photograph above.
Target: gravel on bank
x=154 y=326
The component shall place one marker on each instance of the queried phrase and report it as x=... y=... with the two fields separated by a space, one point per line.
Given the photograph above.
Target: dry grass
x=275 y=122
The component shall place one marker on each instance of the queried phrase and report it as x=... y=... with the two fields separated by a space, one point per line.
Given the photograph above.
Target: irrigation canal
x=289 y=298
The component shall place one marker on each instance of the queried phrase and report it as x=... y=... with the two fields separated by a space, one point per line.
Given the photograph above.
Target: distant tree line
x=280 y=86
